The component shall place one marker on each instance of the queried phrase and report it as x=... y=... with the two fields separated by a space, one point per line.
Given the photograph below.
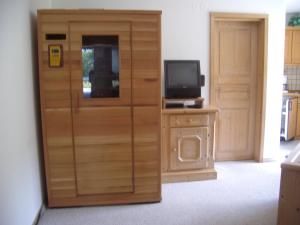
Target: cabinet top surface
x=293 y=160
x=292 y=28
x=290 y=94
x=205 y=109
x=96 y=11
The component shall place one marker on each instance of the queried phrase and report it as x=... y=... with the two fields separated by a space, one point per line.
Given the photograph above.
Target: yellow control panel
x=55 y=55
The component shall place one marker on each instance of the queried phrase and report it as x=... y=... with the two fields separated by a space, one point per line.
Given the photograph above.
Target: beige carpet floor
x=245 y=193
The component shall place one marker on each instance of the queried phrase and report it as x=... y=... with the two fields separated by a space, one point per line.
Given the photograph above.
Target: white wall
x=292 y=6
x=185 y=35
x=20 y=176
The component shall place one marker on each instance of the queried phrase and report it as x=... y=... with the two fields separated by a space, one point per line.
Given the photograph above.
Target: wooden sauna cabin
x=100 y=92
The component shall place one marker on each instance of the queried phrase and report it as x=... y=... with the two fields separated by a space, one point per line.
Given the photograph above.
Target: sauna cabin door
x=101 y=106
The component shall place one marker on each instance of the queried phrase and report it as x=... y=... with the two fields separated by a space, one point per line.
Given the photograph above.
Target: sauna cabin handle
x=75 y=101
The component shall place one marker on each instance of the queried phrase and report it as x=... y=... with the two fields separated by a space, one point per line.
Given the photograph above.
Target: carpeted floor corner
x=245 y=193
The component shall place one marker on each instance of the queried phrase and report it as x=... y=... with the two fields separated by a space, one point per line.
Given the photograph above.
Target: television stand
x=172 y=102
x=188 y=138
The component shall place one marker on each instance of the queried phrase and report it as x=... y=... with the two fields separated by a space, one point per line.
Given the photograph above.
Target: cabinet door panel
x=103 y=150
x=146 y=62
x=59 y=157
x=288 y=47
x=147 y=149
x=296 y=47
x=189 y=148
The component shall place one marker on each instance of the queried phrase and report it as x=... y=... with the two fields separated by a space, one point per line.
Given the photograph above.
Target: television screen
x=182 y=74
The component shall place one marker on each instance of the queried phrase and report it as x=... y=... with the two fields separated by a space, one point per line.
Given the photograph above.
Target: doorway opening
x=290 y=113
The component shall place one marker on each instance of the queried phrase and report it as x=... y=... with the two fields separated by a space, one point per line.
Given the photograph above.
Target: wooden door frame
x=262 y=21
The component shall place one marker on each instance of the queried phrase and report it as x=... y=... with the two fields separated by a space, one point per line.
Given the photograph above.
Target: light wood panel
x=146 y=149
x=289 y=197
x=56 y=81
x=61 y=180
x=188 y=144
x=101 y=137
x=189 y=120
x=288 y=47
x=259 y=21
x=296 y=47
x=292 y=46
x=189 y=148
x=146 y=62
x=236 y=66
x=115 y=153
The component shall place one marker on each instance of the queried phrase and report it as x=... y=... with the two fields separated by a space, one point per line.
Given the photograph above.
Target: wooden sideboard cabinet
x=289 y=197
x=188 y=144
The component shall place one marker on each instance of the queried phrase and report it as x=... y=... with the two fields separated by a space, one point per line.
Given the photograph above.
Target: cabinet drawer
x=189 y=120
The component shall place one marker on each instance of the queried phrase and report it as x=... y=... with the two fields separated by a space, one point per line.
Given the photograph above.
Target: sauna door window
x=100 y=66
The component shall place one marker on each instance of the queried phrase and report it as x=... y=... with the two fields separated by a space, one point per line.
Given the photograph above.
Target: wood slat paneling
x=60 y=153
x=108 y=151
x=146 y=149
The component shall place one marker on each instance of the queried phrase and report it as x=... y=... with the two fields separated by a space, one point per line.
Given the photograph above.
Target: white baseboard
x=39 y=214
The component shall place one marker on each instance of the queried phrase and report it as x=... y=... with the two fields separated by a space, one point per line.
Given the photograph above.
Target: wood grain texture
x=188 y=144
x=288 y=47
x=147 y=149
x=296 y=47
x=236 y=89
x=101 y=151
x=146 y=67
x=261 y=20
x=56 y=81
x=289 y=197
x=60 y=153
x=292 y=46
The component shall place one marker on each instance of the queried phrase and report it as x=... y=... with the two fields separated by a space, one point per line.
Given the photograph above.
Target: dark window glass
x=100 y=62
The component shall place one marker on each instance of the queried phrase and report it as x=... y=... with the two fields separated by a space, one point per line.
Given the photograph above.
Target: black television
x=183 y=79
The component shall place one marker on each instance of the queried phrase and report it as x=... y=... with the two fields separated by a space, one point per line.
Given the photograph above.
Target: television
x=183 y=79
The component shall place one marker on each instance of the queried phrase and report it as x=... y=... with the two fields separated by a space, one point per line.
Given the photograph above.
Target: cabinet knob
x=174 y=149
x=190 y=120
x=177 y=121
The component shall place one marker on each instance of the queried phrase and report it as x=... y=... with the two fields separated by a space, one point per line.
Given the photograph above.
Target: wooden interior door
x=235 y=88
x=189 y=148
x=102 y=114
